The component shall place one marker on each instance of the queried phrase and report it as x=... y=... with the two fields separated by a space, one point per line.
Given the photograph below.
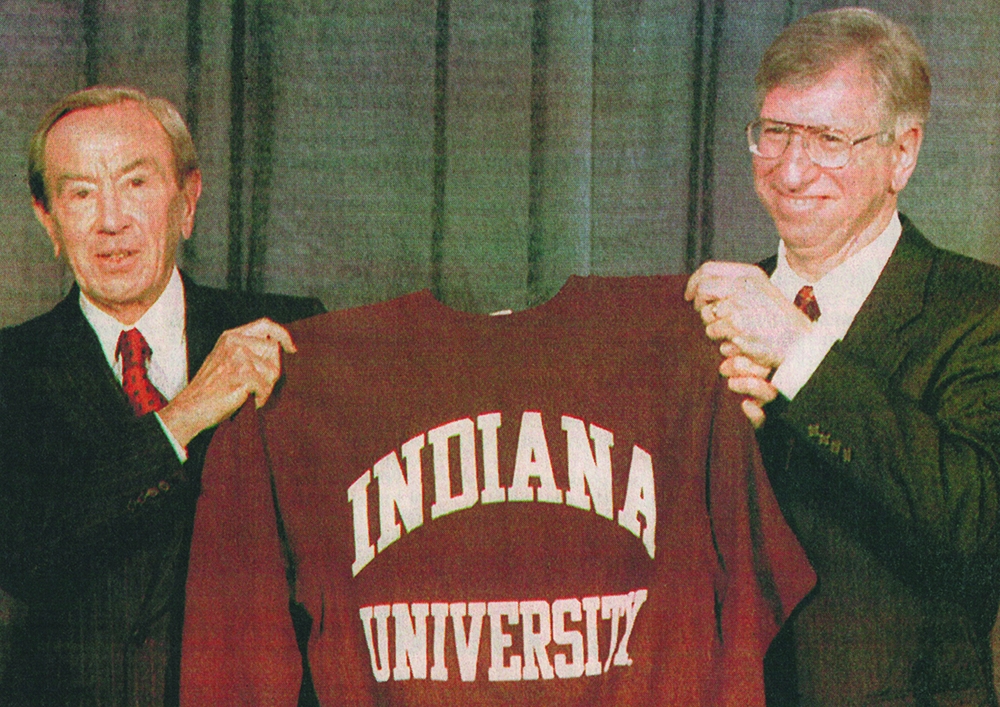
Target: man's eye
x=80 y=193
x=137 y=181
x=776 y=130
x=832 y=139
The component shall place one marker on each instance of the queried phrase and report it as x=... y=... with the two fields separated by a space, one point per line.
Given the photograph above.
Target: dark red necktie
x=134 y=352
x=805 y=300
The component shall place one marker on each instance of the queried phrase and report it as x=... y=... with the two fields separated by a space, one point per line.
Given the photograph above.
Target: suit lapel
x=75 y=361
x=202 y=325
x=768 y=265
x=896 y=300
x=74 y=354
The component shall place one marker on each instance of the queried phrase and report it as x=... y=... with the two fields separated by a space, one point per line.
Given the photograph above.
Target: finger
x=757 y=388
x=754 y=413
x=725 y=269
x=698 y=279
x=692 y=285
x=742 y=366
x=752 y=348
x=722 y=308
x=267 y=329
x=240 y=365
x=720 y=281
x=255 y=376
x=711 y=290
x=721 y=329
x=708 y=313
x=264 y=394
x=238 y=344
x=728 y=349
x=740 y=346
x=704 y=286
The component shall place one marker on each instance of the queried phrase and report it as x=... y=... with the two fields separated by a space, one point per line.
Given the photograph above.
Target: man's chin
x=122 y=300
x=802 y=233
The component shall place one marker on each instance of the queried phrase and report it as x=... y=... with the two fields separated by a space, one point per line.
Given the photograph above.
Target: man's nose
x=112 y=217
x=795 y=167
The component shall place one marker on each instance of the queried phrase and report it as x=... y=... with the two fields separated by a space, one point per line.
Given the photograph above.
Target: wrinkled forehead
x=843 y=94
x=107 y=137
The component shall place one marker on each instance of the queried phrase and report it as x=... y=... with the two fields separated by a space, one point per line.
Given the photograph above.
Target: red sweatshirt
x=562 y=506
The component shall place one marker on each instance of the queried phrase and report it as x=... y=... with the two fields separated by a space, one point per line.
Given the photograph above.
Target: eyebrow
x=131 y=166
x=820 y=128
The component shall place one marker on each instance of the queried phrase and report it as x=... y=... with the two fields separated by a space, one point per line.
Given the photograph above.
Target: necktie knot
x=134 y=352
x=132 y=348
x=805 y=300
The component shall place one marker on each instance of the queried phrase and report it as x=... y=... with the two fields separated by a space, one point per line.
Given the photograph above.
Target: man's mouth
x=116 y=256
x=798 y=202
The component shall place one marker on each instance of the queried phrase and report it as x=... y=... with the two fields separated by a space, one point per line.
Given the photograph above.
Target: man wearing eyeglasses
x=871 y=364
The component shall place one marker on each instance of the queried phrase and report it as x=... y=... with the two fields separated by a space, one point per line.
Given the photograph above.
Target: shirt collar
x=162 y=325
x=841 y=292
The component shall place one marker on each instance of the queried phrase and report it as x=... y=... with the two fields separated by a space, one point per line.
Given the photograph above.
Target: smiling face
x=116 y=210
x=824 y=215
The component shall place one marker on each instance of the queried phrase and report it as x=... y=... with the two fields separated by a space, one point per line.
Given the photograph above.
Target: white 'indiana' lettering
x=438 y=437
x=551 y=642
x=588 y=469
x=357 y=496
x=493 y=492
x=396 y=492
x=533 y=461
x=640 y=497
x=589 y=473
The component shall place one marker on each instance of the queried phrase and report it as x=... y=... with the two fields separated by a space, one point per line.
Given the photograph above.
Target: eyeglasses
x=826 y=148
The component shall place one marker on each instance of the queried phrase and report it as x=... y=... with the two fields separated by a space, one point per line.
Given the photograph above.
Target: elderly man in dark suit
x=108 y=401
x=871 y=362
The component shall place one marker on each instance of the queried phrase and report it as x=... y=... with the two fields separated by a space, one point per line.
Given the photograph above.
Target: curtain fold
x=360 y=150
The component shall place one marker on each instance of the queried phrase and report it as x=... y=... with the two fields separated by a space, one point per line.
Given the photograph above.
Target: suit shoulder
x=236 y=308
x=287 y=308
x=962 y=283
x=965 y=272
x=956 y=282
x=24 y=340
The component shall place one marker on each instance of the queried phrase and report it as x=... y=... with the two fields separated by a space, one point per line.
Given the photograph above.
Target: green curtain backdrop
x=359 y=149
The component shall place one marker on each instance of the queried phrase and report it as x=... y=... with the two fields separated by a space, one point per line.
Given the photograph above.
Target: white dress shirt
x=163 y=328
x=839 y=294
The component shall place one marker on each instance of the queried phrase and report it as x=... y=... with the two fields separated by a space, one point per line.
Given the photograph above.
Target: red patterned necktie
x=805 y=300
x=134 y=352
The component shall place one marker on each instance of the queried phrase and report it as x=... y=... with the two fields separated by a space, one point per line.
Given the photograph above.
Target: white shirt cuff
x=803 y=359
x=181 y=451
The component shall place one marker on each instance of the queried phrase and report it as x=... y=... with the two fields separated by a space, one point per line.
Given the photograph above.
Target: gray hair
x=809 y=48
x=185 y=156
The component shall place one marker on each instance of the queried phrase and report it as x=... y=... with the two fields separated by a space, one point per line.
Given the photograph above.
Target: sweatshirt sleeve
x=763 y=572
x=239 y=645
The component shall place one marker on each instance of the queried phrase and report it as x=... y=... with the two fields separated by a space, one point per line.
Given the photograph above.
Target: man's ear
x=905 y=151
x=49 y=224
x=190 y=192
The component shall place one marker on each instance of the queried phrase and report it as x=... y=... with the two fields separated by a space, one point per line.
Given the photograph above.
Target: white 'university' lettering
x=551 y=645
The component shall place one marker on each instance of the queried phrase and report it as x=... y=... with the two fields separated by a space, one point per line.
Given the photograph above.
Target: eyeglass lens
x=825 y=148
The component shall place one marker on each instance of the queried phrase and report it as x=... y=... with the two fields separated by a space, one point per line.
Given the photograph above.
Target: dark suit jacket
x=98 y=509
x=885 y=465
